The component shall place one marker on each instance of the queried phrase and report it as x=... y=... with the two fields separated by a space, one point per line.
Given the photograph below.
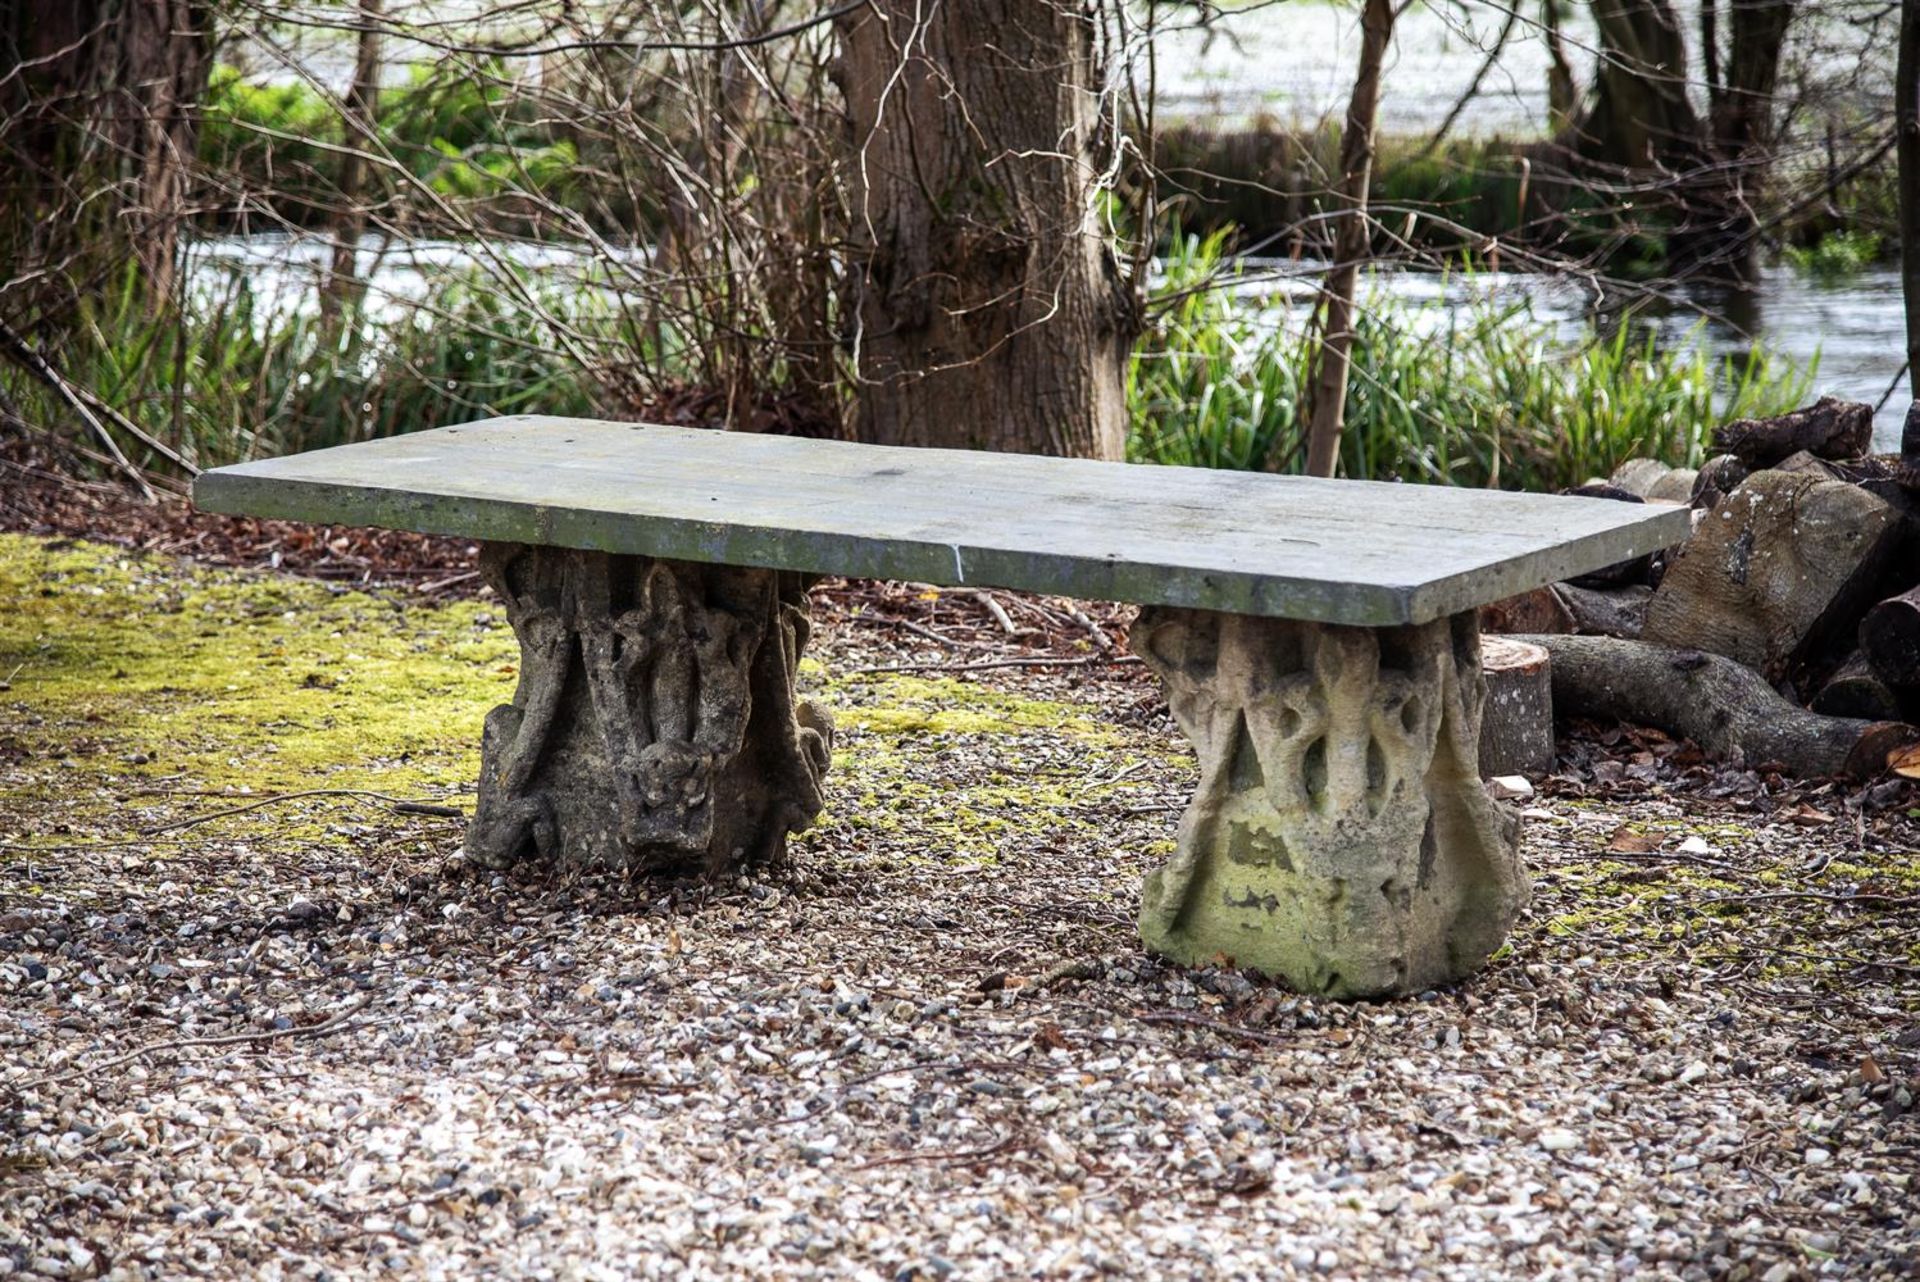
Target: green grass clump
x=1485 y=395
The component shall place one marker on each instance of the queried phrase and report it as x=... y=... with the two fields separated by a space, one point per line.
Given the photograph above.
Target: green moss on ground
x=146 y=673
x=1037 y=770
x=147 y=667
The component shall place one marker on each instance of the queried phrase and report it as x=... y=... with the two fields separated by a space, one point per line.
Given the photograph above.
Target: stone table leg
x=1341 y=838
x=655 y=725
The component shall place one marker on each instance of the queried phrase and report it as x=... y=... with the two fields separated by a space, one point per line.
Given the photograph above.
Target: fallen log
x=1890 y=639
x=1856 y=690
x=1516 y=724
x=1829 y=428
x=1621 y=612
x=1725 y=707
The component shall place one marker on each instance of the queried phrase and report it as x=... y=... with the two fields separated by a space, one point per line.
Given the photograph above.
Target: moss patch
x=139 y=674
x=146 y=668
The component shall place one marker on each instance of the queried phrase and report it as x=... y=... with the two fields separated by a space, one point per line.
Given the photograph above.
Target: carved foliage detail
x=1339 y=833
x=655 y=724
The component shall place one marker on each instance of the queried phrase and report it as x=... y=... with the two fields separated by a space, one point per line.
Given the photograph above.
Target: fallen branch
x=401 y=805
x=1725 y=707
x=336 y=1023
x=1087 y=662
x=23 y=354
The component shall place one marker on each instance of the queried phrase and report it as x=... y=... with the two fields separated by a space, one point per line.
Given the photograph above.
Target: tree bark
x=988 y=309
x=1725 y=707
x=361 y=109
x=1327 y=410
x=1906 y=106
x=97 y=133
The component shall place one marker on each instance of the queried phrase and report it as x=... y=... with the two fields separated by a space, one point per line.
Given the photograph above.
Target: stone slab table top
x=1360 y=553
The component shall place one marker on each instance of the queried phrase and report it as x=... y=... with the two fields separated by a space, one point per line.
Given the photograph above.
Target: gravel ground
x=304 y=1041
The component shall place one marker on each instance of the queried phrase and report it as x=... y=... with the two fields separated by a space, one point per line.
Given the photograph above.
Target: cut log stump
x=1856 y=690
x=1654 y=481
x=1516 y=731
x=1778 y=574
x=1725 y=707
x=1540 y=610
x=1719 y=476
x=1890 y=639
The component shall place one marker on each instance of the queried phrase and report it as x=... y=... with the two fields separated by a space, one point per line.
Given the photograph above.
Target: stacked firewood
x=1786 y=629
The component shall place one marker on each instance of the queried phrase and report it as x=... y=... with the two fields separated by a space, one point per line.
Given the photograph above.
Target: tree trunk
x=1906 y=106
x=1707 y=171
x=361 y=109
x=988 y=310
x=1641 y=117
x=1563 y=96
x=97 y=134
x=1327 y=409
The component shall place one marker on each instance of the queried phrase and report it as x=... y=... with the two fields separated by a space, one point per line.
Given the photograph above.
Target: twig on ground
x=1094 y=630
x=336 y=1023
x=401 y=805
x=998 y=611
x=942 y=1155
x=1086 y=662
x=449 y=581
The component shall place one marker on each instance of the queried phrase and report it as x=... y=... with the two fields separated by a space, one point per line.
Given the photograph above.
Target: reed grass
x=1483 y=394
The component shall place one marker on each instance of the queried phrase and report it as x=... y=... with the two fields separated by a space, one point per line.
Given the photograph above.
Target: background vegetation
x=617 y=226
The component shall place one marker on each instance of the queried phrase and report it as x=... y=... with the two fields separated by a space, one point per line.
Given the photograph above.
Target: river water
x=1851 y=328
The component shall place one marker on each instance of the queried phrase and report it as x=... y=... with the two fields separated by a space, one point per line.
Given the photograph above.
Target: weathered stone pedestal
x=1341 y=838
x=655 y=725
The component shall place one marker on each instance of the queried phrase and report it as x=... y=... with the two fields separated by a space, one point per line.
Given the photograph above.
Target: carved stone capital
x=655 y=725
x=1340 y=838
